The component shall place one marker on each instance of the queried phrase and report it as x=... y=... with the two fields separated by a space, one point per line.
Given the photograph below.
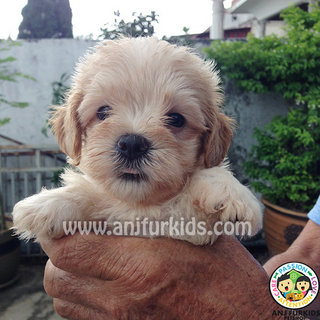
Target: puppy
x=143 y=125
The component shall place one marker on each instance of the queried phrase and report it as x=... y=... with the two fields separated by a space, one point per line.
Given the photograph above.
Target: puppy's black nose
x=132 y=146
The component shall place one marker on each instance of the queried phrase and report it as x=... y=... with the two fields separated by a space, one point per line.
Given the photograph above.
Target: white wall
x=233 y=21
x=45 y=60
x=263 y=9
x=275 y=27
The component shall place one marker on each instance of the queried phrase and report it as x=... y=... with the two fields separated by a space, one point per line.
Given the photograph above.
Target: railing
x=24 y=171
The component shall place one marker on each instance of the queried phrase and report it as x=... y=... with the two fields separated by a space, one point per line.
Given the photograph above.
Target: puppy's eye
x=103 y=112
x=175 y=120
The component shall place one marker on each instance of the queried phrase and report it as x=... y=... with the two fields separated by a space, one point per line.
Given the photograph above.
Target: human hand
x=305 y=249
x=99 y=277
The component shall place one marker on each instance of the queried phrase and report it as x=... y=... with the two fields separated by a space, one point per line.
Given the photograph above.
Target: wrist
x=305 y=248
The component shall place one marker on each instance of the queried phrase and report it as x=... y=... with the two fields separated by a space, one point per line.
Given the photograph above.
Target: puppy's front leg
x=217 y=192
x=41 y=216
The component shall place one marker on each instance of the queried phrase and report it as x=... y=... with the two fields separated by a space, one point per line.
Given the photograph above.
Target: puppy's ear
x=66 y=127
x=217 y=140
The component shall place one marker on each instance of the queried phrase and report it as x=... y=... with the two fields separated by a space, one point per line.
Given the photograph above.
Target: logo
x=294 y=285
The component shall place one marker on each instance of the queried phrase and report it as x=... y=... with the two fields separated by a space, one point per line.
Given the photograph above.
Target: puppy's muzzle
x=132 y=147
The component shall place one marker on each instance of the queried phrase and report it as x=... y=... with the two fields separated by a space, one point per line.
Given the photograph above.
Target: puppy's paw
x=243 y=206
x=37 y=217
x=236 y=206
x=217 y=193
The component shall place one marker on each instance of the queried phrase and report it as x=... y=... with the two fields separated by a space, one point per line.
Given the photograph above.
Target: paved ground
x=26 y=299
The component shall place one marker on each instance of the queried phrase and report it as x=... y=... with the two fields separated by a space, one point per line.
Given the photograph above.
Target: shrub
x=289 y=65
x=285 y=164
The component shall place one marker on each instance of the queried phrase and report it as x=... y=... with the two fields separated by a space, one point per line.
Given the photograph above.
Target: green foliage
x=6 y=74
x=185 y=30
x=59 y=90
x=4 y=121
x=289 y=65
x=46 y=19
x=141 y=26
x=285 y=164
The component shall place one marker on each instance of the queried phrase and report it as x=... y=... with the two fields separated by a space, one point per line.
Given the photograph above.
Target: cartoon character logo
x=285 y=284
x=294 y=285
x=303 y=284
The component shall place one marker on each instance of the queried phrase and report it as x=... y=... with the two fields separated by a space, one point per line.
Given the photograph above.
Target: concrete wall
x=263 y=9
x=249 y=110
x=47 y=60
x=275 y=27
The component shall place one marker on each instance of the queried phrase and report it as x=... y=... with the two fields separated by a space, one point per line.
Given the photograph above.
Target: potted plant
x=9 y=251
x=285 y=168
x=285 y=164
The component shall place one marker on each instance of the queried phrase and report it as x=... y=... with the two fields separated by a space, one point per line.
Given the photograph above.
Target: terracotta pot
x=9 y=258
x=281 y=226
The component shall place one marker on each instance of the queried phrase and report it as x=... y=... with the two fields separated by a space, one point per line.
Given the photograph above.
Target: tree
x=141 y=26
x=46 y=19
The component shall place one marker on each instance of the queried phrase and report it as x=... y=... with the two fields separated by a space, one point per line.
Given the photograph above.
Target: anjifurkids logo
x=294 y=285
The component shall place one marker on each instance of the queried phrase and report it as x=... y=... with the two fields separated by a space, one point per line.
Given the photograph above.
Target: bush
x=285 y=164
x=288 y=65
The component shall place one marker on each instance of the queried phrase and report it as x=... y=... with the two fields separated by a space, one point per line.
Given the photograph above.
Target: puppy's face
x=141 y=117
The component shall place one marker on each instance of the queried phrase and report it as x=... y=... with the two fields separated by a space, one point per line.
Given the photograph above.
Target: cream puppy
x=142 y=122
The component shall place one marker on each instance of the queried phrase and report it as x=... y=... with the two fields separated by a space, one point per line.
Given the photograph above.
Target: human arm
x=304 y=249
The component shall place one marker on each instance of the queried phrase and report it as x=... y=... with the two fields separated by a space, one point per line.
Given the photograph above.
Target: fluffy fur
x=143 y=81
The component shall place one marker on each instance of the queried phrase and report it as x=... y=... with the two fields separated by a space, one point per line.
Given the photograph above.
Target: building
x=266 y=14
x=260 y=17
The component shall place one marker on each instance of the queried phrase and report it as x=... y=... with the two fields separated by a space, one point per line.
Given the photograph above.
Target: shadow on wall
x=249 y=110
